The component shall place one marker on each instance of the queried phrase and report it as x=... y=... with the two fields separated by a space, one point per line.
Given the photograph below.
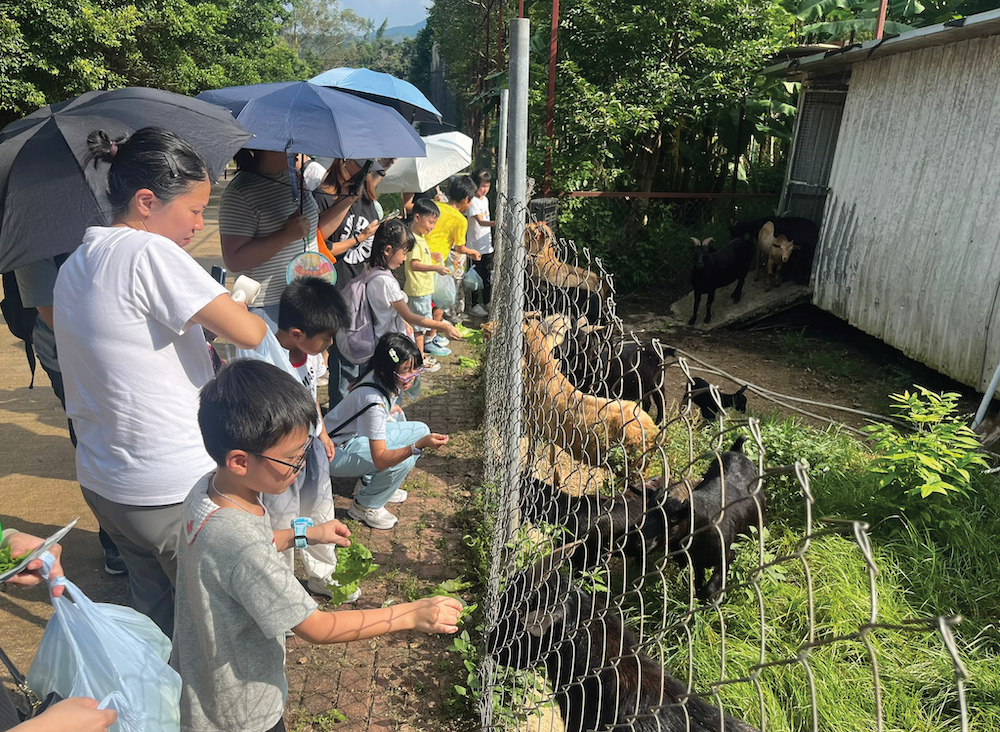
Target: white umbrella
x=447 y=154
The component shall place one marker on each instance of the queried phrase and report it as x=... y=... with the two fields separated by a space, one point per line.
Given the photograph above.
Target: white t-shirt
x=479 y=237
x=133 y=364
x=371 y=424
x=310 y=371
x=382 y=292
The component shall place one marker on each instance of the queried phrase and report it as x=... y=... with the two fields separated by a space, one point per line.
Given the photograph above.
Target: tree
x=322 y=33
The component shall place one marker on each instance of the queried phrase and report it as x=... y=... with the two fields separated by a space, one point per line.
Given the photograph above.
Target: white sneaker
x=457 y=318
x=376 y=518
x=433 y=368
x=480 y=312
x=318 y=587
x=440 y=340
x=399 y=496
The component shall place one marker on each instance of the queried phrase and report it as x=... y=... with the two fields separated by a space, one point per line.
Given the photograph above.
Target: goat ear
x=539 y=622
x=552 y=453
x=743 y=389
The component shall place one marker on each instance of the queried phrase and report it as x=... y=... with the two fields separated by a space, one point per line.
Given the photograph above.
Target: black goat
x=601 y=678
x=804 y=232
x=711 y=526
x=713 y=270
x=549 y=299
x=700 y=393
x=623 y=370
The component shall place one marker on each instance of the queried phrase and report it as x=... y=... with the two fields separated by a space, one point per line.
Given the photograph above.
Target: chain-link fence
x=637 y=581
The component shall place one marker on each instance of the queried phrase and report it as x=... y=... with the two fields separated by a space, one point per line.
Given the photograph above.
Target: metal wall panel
x=910 y=245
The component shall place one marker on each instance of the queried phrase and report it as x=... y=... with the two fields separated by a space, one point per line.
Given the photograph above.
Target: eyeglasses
x=410 y=376
x=298 y=464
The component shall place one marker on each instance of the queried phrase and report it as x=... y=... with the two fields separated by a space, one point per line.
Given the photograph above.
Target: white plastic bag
x=473 y=280
x=270 y=351
x=111 y=653
x=444 y=291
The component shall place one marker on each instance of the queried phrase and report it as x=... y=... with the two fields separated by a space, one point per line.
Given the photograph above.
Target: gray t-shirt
x=235 y=600
x=35 y=283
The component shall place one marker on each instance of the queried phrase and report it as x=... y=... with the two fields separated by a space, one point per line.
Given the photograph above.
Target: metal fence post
x=514 y=259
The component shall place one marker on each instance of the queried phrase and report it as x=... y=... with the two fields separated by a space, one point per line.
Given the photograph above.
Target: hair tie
x=393 y=355
x=113 y=150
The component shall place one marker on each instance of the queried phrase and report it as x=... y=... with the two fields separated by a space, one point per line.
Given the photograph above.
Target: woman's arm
x=231 y=320
x=333 y=218
x=242 y=253
x=413 y=319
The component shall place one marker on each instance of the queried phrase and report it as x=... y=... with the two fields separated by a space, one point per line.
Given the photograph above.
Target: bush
x=921 y=471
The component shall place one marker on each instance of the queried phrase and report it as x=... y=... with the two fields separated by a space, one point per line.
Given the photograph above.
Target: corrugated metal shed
x=910 y=244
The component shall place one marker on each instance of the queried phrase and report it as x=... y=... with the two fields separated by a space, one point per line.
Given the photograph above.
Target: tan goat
x=585 y=426
x=545 y=265
x=776 y=250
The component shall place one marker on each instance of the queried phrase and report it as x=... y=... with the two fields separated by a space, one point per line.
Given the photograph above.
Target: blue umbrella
x=382 y=88
x=299 y=117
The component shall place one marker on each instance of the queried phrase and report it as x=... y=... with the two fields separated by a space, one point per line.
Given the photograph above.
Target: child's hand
x=450 y=330
x=331 y=532
x=474 y=255
x=431 y=441
x=437 y=615
x=77 y=713
x=436 y=257
x=396 y=409
x=328 y=445
x=442 y=270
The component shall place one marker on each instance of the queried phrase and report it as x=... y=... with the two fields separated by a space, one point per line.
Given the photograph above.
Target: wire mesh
x=633 y=581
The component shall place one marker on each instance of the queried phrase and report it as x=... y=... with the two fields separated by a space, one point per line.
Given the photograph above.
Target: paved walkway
x=399 y=682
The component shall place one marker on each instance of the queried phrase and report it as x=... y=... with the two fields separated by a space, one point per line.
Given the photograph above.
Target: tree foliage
x=52 y=50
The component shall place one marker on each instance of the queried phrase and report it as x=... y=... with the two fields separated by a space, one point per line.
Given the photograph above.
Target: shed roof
x=974 y=26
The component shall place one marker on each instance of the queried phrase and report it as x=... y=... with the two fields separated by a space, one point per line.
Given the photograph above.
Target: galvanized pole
x=514 y=254
x=501 y=186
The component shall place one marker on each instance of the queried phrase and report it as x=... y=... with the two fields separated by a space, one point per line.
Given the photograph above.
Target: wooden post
x=550 y=121
x=883 y=10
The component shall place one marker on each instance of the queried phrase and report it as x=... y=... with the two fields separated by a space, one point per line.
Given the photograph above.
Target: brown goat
x=776 y=250
x=585 y=426
x=545 y=265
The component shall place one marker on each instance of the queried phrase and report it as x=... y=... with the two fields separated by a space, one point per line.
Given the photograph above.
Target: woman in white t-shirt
x=373 y=443
x=129 y=309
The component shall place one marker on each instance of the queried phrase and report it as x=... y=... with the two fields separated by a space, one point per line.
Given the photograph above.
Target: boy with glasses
x=235 y=597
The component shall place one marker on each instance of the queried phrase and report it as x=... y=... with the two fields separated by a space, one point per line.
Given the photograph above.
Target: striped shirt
x=256 y=205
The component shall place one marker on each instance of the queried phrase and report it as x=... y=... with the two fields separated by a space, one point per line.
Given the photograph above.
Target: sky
x=399 y=12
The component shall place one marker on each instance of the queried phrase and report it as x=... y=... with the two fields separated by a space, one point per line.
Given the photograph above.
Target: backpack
x=357 y=341
x=20 y=320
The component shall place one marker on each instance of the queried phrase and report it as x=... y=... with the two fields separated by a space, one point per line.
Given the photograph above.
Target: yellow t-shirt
x=449 y=232
x=419 y=284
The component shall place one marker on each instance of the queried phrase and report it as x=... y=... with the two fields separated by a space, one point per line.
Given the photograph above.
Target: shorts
x=420 y=305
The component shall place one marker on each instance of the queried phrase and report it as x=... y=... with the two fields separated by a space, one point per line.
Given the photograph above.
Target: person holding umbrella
x=129 y=309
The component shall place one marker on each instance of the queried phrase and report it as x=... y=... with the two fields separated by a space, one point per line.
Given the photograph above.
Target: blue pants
x=354 y=460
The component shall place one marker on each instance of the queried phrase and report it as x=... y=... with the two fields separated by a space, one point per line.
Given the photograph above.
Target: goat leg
x=710 y=298
x=738 y=292
x=697 y=302
x=767 y=278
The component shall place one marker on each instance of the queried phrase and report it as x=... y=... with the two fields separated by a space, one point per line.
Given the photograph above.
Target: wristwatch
x=414 y=450
x=299 y=526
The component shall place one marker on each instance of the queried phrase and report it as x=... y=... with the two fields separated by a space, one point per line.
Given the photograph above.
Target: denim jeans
x=354 y=460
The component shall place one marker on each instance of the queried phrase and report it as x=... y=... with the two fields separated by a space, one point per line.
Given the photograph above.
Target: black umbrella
x=49 y=196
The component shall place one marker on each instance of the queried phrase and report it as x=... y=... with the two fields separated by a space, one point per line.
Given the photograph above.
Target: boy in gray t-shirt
x=235 y=598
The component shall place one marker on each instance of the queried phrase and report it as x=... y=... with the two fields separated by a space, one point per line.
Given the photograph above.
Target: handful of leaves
x=469 y=334
x=6 y=560
x=354 y=563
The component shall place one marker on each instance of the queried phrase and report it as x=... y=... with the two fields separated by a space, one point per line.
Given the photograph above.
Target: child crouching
x=235 y=597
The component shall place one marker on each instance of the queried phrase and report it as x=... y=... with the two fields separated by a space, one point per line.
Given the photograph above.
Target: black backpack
x=20 y=320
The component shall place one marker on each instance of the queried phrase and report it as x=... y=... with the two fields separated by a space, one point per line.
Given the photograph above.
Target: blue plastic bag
x=444 y=291
x=473 y=280
x=110 y=653
x=270 y=351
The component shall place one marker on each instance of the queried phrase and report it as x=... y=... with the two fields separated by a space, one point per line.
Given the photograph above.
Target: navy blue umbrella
x=299 y=117
x=382 y=88
x=49 y=195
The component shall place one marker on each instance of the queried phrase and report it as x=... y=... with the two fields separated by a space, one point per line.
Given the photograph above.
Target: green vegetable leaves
x=354 y=563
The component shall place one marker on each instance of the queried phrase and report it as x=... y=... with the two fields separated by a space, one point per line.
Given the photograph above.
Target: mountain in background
x=402 y=32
